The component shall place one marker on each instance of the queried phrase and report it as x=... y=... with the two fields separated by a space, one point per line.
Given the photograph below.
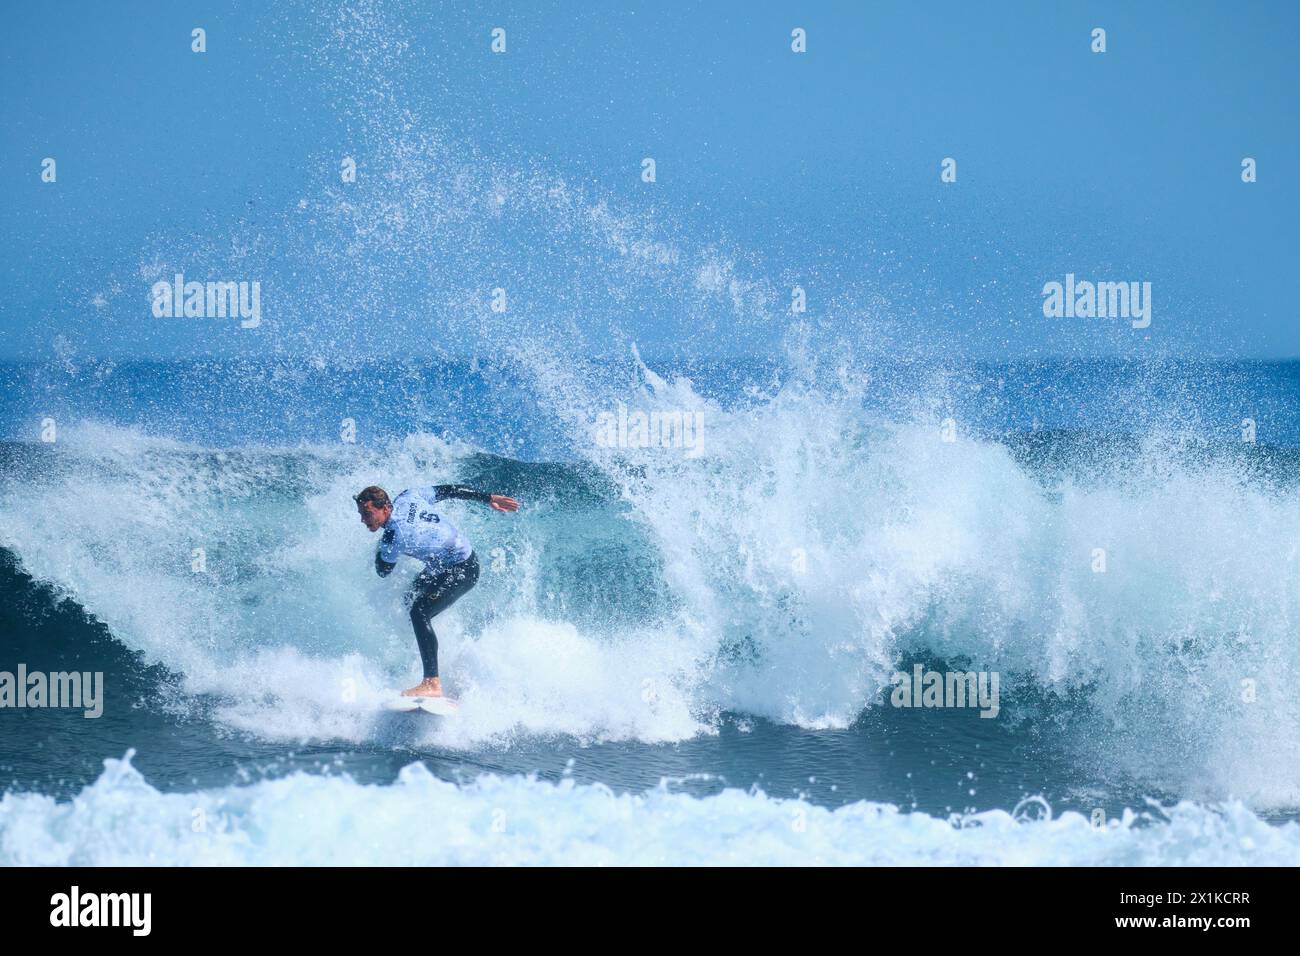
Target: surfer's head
x=373 y=506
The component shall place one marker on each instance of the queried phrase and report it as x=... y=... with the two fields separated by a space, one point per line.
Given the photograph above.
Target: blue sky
x=820 y=169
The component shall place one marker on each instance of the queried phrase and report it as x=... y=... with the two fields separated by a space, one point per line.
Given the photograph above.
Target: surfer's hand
x=502 y=503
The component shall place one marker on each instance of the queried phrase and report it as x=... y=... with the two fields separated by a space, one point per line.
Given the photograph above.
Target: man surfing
x=414 y=525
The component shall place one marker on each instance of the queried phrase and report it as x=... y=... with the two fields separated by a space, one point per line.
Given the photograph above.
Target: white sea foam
x=313 y=820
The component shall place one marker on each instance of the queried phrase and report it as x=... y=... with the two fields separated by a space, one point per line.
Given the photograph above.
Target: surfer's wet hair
x=375 y=495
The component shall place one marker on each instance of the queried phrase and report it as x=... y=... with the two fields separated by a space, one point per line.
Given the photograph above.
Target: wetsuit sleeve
x=386 y=556
x=439 y=492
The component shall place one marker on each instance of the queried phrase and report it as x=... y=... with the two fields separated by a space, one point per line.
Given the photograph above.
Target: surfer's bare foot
x=428 y=688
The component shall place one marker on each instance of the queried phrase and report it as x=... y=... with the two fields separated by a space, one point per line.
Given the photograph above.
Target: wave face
x=316 y=820
x=814 y=545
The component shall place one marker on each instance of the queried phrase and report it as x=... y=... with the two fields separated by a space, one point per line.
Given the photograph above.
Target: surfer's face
x=373 y=518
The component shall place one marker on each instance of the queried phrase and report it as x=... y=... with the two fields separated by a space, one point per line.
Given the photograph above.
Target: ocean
x=684 y=647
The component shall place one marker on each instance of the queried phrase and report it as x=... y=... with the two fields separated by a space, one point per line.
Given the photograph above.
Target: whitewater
x=309 y=820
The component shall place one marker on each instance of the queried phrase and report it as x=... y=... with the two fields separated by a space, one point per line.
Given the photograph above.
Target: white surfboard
x=438 y=706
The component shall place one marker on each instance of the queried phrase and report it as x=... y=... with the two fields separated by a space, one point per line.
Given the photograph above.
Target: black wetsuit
x=432 y=593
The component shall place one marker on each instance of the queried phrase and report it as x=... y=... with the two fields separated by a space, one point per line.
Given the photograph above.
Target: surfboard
x=438 y=706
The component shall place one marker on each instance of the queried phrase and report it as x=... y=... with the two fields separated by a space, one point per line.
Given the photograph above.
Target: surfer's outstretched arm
x=499 y=502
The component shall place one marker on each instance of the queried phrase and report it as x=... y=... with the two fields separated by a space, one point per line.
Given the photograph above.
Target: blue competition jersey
x=418 y=528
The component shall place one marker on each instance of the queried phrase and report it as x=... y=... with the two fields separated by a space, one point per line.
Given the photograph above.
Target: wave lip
x=121 y=820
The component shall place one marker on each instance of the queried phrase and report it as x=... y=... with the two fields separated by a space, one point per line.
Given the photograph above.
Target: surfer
x=414 y=525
